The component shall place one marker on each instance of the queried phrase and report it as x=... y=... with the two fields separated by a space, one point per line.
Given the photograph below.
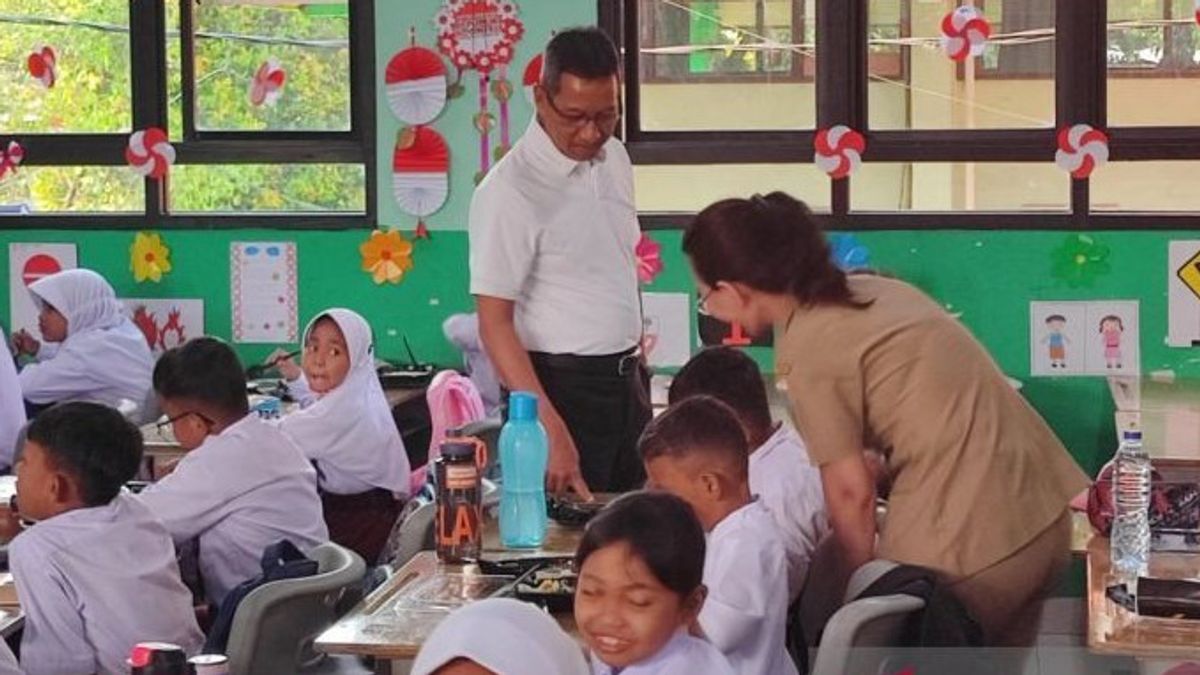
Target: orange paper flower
x=387 y=256
x=149 y=257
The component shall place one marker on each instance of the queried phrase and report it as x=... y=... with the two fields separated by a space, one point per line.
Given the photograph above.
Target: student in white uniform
x=95 y=352
x=641 y=565
x=499 y=636
x=697 y=450
x=96 y=572
x=346 y=428
x=243 y=485
x=780 y=472
x=12 y=407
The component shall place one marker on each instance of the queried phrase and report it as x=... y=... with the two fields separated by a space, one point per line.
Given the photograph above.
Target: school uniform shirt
x=557 y=237
x=104 y=358
x=683 y=655
x=349 y=432
x=12 y=407
x=976 y=473
x=790 y=487
x=93 y=583
x=745 y=613
x=239 y=492
x=8 y=660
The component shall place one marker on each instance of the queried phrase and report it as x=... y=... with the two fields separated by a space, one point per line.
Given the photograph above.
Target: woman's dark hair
x=659 y=528
x=587 y=53
x=92 y=442
x=203 y=371
x=771 y=244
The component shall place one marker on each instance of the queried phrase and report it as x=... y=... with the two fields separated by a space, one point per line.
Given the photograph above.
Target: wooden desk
x=1081 y=533
x=1113 y=630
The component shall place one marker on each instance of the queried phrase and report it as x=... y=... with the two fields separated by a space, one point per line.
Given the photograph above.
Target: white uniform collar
x=548 y=157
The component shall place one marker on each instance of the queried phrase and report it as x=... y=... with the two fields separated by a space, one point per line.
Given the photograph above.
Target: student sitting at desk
x=95 y=351
x=12 y=407
x=346 y=428
x=243 y=485
x=96 y=572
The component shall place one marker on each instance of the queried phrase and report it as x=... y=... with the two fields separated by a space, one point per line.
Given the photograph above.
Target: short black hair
x=92 y=442
x=1055 y=317
x=206 y=371
x=733 y=378
x=585 y=52
x=659 y=528
x=700 y=424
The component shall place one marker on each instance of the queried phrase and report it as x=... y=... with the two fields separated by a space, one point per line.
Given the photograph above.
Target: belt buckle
x=627 y=364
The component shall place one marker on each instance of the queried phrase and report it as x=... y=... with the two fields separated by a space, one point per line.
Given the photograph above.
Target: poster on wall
x=667 y=329
x=166 y=322
x=263 y=291
x=26 y=264
x=1099 y=337
x=1183 y=294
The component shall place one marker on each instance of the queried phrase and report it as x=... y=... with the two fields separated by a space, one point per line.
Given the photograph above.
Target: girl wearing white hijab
x=348 y=432
x=12 y=407
x=501 y=636
x=100 y=356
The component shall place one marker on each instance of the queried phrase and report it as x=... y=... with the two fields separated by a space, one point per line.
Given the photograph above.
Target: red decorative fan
x=416 y=85
x=421 y=173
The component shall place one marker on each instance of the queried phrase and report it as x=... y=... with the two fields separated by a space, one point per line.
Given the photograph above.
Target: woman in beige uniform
x=980 y=484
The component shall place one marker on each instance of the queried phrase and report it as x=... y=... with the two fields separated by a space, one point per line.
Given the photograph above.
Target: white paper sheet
x=26 y=264
x=1097 y=337
x=166 y=322
x=263 y=286
x=668 y=328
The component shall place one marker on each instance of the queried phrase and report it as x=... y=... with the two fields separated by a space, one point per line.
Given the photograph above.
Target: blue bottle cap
x=522 y=406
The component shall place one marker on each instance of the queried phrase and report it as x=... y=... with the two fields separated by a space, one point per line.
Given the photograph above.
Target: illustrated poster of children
x=1113 y=345
x=1056 y=340
x=1057 y=337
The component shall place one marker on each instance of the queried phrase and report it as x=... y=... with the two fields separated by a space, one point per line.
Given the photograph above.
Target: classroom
x=453 y=337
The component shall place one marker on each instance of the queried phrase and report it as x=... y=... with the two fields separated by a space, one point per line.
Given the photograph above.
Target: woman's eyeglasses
x=702 y=303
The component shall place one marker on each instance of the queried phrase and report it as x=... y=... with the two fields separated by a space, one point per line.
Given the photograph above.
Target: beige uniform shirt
x=976 y=472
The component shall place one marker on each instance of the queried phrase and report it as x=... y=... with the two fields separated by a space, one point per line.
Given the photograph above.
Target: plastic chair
x=275 y=624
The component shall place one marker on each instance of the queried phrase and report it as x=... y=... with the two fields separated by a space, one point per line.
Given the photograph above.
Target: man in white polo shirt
x=554 y=275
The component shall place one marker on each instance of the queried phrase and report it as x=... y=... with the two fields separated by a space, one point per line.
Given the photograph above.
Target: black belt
x=616 y=365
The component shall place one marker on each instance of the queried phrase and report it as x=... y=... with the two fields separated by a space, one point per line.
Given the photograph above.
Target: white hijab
x=12 y=407
x=104 y=358
x=349 y=432
x=506 y=636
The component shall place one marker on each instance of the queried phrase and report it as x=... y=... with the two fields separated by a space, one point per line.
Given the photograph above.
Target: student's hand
x=286 y=365
x=562 y=471
x=24 y=343
x=10 y=523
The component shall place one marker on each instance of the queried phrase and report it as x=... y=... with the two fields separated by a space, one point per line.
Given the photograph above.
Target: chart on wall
x=263 y=289
x=667 y=330
x=26 y=264
x=166 y=322
x=1099 y=337
x=1183 y=294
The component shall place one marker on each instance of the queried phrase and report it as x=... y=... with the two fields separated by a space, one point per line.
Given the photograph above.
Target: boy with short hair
x=96 y=572
x=697 y=450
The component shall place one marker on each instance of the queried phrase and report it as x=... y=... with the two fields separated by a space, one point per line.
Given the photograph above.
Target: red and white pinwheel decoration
x=149 y=153
x=267 y=84
x=965 y=33
x=43 y=66
x=839 y=150
x=1081 y=148
x=10 y=158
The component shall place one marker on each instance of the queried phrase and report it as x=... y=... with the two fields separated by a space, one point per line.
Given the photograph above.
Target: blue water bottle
x=524 y=451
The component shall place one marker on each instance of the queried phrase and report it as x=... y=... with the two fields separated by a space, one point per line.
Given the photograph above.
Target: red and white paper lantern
x=965 y=33
x=533 y=75
x=149 y=153
x=416 y=85
x=839 y=150
x=421 y=171
x=43 y=66
x=1081 y=148
x=267 y=84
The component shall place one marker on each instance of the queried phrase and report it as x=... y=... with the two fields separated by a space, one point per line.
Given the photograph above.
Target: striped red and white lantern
x=267 y=84
x=1081 y=148
x=149 y=153
x=838 y=150
x=415 y=82
x=10 y=158
x=43 y=66
x=533 y=75
x=420 y=171
x=965 y=32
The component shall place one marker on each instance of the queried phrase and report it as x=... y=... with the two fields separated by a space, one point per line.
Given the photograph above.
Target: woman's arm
x=850 y=499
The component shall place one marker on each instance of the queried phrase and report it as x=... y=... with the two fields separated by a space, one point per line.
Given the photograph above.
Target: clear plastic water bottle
x=1131 y=506
x=524 y=451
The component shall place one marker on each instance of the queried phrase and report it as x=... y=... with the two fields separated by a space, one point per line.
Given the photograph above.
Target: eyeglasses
x=605 y=121
x=702 y=303
x=172 y=420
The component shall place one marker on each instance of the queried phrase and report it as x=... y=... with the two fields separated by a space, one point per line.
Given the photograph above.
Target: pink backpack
x=453 y=402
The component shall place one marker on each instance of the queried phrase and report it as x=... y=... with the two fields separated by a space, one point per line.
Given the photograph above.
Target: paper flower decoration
x=415 y=82
x=965 y=33
x=838 y=150
x=649 y=259
x=848 y=252
x=149 y=257
x=478 y=34
x=1079 y=260
x=149 y=153
x=386 y=256
x=43 y=66
x=1081 y=148
x=267 y=84
x=10 y=158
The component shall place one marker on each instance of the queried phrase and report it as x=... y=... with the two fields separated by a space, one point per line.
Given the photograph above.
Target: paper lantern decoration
x=421 y=172
x=416 y=85
x=43 y=66
x=838 y=150
x=1081 y=148
x=10 y=158
x=149 y=257
x=965 y=33
x=649 y=259
x=149 y=153
x=386 y=256
x=267 y=84
x=533 y=75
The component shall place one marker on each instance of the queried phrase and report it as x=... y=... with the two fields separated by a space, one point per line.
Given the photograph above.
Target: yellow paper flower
x=387 y=256
x=149 y=257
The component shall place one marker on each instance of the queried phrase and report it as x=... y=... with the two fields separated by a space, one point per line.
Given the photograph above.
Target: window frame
x=1081 y=73
x=148 y=50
